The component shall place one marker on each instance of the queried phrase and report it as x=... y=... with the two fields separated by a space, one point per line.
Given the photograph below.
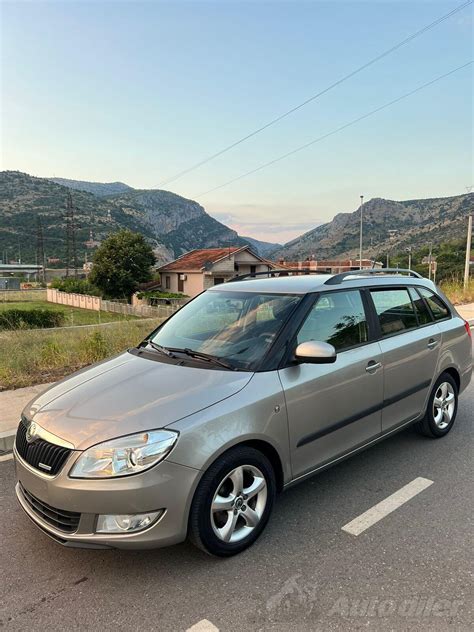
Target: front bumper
x=167 y=486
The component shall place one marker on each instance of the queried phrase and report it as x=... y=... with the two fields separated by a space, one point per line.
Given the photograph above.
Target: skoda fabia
x=251 y=387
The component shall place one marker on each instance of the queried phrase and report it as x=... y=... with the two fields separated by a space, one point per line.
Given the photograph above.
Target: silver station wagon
x=254 y=385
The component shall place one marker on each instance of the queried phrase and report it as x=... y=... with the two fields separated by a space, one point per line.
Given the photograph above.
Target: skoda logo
x=31 y=432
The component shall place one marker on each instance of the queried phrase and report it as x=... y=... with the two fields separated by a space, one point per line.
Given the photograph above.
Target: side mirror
x=315 y=352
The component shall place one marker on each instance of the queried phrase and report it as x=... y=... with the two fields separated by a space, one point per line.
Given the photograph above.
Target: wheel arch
x=454 y=373
x=272 y=455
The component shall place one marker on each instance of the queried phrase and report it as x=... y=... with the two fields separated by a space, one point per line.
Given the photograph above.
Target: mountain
x=172 y=224
x=97 y=188
x=388 y=226
x=263 y=248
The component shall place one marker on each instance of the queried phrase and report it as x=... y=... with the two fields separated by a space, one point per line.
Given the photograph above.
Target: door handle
x=432 y=343
x=373 y=366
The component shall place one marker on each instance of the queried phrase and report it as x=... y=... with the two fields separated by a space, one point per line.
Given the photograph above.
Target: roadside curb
x=7 y=439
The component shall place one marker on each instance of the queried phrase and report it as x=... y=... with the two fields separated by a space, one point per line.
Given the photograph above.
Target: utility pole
x=409 y=250
x=468 y=253
x=71 y=252
x=360 y=233
x=40 y=248
x=430 y=260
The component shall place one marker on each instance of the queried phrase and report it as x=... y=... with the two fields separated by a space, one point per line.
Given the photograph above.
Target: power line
x=335 y=131
x=316 y=96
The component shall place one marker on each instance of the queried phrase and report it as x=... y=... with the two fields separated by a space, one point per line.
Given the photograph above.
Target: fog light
x=126 y=523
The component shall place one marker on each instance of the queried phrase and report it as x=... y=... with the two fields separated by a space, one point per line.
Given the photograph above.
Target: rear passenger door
x=410 y=343
x=333 y=408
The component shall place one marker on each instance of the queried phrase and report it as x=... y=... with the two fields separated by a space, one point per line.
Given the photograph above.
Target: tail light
x=468 y=329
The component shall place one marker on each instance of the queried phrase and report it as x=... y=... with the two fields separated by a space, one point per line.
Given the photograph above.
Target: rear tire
x=233 y=502
x=442 y=408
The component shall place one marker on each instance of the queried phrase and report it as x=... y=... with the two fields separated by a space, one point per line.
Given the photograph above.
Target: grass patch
x=46 y=356
x=454 y=290
x=72 y=315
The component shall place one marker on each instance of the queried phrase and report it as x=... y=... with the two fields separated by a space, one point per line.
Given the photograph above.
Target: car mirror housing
x=315 y=352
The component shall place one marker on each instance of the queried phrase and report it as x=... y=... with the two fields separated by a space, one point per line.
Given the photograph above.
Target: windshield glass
x=238 y=327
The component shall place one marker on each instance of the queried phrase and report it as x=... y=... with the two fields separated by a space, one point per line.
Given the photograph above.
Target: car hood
x=129 y=394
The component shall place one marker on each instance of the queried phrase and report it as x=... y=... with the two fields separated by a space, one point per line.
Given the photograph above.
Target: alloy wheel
x=444 y=404
x=239 y=503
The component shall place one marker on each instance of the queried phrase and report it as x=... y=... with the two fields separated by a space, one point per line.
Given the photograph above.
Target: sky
x=139 y=91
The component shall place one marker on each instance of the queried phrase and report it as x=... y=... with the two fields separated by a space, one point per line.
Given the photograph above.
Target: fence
x=98 y=304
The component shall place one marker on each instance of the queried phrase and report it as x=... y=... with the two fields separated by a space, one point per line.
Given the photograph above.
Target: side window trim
x=418 y=289
x=415 y=311
x=373 y=323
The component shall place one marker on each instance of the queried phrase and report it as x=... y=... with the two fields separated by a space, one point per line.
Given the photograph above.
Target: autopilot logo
x=32 y=432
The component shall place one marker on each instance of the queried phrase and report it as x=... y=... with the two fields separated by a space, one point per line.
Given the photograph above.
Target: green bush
x=157 y=294
x=75 y=286
x=34 y=318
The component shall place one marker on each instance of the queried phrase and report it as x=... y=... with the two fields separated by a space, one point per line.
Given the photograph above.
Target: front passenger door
x=333 y=408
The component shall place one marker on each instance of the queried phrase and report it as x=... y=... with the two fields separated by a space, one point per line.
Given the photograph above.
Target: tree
x=121 y=262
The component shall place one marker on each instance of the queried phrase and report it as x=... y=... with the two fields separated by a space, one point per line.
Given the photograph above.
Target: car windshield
x=236 y=327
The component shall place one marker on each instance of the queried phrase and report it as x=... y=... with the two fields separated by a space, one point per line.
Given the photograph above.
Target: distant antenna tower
x=71 y=252
x=469 y=188
x=40 y=259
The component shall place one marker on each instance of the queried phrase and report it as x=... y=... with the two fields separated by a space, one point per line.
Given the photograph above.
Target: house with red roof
x=199 y=270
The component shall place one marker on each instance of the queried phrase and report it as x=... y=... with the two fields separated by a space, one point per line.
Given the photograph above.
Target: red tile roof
x=197 y=259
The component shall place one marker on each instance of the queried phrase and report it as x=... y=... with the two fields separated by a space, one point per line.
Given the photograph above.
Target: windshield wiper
x=159 y=348
x=205 y=356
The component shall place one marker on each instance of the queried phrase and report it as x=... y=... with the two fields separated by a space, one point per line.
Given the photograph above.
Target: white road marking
x=385 y=507
x=6 y=457
x=203 y=626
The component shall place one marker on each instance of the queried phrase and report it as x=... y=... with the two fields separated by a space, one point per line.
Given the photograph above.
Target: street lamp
x=360 y=233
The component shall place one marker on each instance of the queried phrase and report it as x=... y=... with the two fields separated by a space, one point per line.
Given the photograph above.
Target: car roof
x=308 y=283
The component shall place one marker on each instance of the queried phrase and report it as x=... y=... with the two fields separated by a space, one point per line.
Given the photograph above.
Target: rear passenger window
x=423 y=313
x=436 y=305
x=395 y=310
x=337 y=318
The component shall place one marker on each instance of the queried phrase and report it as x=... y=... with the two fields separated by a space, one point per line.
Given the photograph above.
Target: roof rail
x=339 y=278
x=276 y=273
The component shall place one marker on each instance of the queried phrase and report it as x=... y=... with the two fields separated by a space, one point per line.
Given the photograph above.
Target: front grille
x=66 y=521
x=40 y=454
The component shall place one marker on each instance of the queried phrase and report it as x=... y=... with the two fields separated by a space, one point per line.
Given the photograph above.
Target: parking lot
x=412 y=569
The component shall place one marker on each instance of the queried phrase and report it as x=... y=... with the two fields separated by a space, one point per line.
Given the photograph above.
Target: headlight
x=124 y=456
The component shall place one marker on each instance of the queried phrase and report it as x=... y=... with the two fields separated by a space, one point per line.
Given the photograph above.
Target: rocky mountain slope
x=388 y=226
x=171 y=223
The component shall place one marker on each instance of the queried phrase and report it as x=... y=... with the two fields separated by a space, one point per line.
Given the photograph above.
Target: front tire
x=233 y=502
x=442 y=408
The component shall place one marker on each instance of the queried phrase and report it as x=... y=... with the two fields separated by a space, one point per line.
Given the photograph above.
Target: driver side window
x=337 y=318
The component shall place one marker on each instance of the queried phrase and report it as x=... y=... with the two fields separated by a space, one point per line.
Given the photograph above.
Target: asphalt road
x=411 y=570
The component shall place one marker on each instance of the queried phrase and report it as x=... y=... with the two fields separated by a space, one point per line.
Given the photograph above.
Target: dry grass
x=454 y=290
x=46 y=356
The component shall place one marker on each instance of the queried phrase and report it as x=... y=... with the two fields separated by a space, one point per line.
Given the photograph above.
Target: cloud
x=274 y=223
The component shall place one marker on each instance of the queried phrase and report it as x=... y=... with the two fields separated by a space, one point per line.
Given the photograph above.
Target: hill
x=264 y=248
x=97 y=188
x=388 y=226
x=171 y=223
